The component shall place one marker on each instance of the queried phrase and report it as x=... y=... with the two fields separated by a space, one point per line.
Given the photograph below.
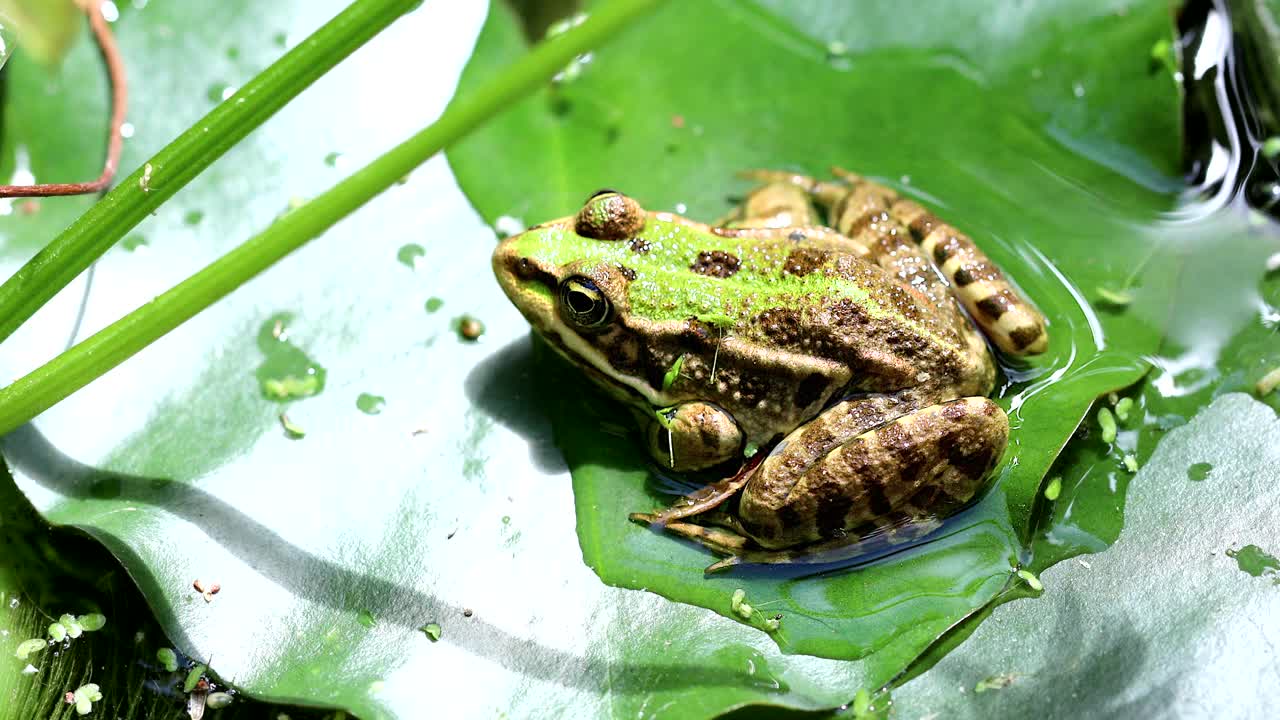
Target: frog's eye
x=610 y=215
x=582 y=303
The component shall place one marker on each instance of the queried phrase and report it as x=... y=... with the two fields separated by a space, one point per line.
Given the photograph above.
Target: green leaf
x=177 y=462
x=44 y=28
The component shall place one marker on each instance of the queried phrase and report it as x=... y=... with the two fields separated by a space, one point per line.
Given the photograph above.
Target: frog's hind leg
x=1003 y=313
x=859 y=211
x=859 y=543
x=925 y=463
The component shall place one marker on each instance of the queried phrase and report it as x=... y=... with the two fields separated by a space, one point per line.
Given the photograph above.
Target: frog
x=825 y=350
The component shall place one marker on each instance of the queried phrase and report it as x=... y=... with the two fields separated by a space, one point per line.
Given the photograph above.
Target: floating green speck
x=1268 y=382
x=332 y=159
x=370 y=404
x=432 y=630
x=193 y=677
x=1114 y=298
x=292 y=429
x=85 y=696
x=1032 y=581
x=92 y=622
x=1107 y=422
x=26 y=647
x=1123 y=407
x=168 y=659
x=995 y=682
x=1053 y=489
x=1271 y=147
x=71 y=625
x=1199 y=471
x=434 y=304
x=738 y=603
x=57 y=632
x=218 y=700
x=1130 y=462
x=1255 y=561
x=408 y=255
x=750 y=450
x=366 y=618
x=672 y=373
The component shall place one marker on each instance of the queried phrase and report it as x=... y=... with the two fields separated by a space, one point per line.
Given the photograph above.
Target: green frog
x=852 y=354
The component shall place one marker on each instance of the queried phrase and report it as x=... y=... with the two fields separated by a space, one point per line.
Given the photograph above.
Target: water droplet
x=1199 y=471
x=410 y=254
x=1077 y=89
x=370 y=404
x=126 y=130
x=286 y=373
x=434 y=304
x=215 y=92
x=110 y=12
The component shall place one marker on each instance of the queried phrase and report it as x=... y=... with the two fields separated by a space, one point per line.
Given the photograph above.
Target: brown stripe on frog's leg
x=952 y=447
x=1004 y=315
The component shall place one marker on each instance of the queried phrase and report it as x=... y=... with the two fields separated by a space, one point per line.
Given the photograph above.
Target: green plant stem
x=36 y=282
x=77 y=367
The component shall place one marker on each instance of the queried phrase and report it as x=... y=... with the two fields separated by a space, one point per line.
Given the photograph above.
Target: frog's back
x=816 y=298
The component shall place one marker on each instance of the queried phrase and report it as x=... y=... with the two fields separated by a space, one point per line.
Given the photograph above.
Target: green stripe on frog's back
x=681 y=269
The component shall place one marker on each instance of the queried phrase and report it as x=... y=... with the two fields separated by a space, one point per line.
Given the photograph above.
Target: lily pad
x=996 y=135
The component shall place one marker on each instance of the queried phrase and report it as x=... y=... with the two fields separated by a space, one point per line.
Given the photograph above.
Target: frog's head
x=573 y=278
x=565 y=278
x=553 y=272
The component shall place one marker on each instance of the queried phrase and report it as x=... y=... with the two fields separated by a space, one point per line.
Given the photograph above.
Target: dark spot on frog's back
x=716 y=263
x=848 y=313
x=627 y=272
x=640 y=246
x=780 y=325
x=802 y=261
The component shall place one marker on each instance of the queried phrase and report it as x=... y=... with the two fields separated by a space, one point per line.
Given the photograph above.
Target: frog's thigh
x=934 y=458
x=1004 y=315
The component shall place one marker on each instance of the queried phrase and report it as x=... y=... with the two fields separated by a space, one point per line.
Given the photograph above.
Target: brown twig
x=119 y=101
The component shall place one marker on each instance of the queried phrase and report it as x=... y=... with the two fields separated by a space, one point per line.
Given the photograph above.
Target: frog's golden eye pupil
x=583 y=304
